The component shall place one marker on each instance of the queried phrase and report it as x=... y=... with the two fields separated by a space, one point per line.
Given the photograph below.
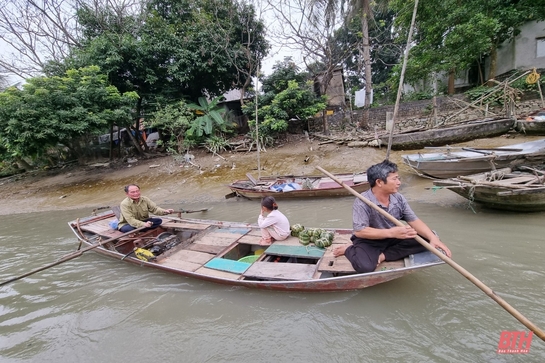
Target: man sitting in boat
x=136 y=209
x=375 y=238
x=273 y=223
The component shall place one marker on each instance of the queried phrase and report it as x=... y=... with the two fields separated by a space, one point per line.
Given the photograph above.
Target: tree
x=169 y=51
x=35 y=32
x=283 y=72
x=286 y=99
x=463 y=34
x=173 y=120
x=385 y=53
x=248 y=30
x=53 y=112
x=308 y=29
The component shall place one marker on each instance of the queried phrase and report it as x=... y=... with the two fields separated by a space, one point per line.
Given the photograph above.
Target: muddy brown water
x=94 y=309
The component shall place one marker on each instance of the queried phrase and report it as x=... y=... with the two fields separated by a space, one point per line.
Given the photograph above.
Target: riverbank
x=204 y=179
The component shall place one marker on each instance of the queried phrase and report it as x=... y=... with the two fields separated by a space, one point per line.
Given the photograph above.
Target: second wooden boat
x=465 y=161
x=503 y=189
x=533 y=124
x=449 y=135
x=298 y=186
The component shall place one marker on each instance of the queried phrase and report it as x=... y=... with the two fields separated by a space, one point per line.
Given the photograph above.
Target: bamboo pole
x=69 y=257
x=447 y=260
x=401 y=79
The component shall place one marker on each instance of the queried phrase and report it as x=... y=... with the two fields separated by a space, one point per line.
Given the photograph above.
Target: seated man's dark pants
x=363 y=253
x=156 y=223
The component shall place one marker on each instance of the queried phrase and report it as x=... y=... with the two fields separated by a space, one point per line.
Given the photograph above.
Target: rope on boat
x=419 y=173
x=81 y=234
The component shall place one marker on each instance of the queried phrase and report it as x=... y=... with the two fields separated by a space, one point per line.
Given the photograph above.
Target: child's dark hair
x=269 y=203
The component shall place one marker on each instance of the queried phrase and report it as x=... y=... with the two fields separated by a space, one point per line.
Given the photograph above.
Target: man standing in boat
x=136 y=209
x=376 y=239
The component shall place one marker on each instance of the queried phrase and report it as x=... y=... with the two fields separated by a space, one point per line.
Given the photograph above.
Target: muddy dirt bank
x=169 y=182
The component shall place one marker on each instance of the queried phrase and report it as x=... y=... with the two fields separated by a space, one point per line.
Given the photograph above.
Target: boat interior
x=224 y=250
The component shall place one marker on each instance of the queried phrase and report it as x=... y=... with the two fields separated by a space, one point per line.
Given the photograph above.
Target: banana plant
x=210 y=119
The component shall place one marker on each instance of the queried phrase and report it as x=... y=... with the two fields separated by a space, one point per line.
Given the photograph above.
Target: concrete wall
x=521 y=52
x=419 y=114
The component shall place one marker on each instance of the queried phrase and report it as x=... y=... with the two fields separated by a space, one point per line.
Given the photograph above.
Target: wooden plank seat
x=101 y=227
x=252 y=237
x=217 y=273
x=280 y=271
x=184 y=225
x=330 y=263
x=517 y=180
x=206 y=248
x=223 y=236
x=180 y=258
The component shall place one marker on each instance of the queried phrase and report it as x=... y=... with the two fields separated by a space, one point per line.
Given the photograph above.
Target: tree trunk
x=324 y=83
x=493 y=65
x=366 y=46
x=324 y=120
x=451 y=75
x=135 y=141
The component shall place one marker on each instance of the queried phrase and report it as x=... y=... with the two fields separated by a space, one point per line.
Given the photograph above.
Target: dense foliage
x=66 y=112
x=290 y=97
x=452 y=36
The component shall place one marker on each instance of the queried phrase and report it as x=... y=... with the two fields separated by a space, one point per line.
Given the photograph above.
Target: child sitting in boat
x=274 y=225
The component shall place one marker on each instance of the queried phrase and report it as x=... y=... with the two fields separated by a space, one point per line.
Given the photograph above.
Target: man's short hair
x=130 y=185
x=380 y=171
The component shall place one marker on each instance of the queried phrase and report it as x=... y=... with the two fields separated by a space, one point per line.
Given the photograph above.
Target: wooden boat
x=298 y=186
x=501 y=189
x=449 y=135
x=466 y=161
x=533 y=124
x=229 y=253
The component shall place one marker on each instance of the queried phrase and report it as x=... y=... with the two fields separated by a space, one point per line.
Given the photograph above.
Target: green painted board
x=295 y=251
x=223 y=264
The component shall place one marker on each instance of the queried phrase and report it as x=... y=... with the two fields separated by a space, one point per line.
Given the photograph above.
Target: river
x=94 y=309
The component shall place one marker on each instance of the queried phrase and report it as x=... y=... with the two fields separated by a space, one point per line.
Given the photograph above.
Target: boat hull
x=325 y=187
x=213 y=241
x=529 y=201
x=536 y=128
x=451 y=164
x=502 y=189
x=449 y=135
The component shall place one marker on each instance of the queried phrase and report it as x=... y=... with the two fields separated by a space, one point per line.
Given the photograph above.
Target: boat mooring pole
x=488 y=291
x=401 y=79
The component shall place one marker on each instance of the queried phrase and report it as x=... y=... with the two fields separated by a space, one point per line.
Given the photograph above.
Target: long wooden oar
x=68 y=257
x=191 y=211
x=449 y=261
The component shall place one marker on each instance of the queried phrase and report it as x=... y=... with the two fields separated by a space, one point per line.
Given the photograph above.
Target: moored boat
x=466 y=131
x=229 y=253
x=504 y=189
x=298 y=186
x=533 y=124
x=458 y=161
